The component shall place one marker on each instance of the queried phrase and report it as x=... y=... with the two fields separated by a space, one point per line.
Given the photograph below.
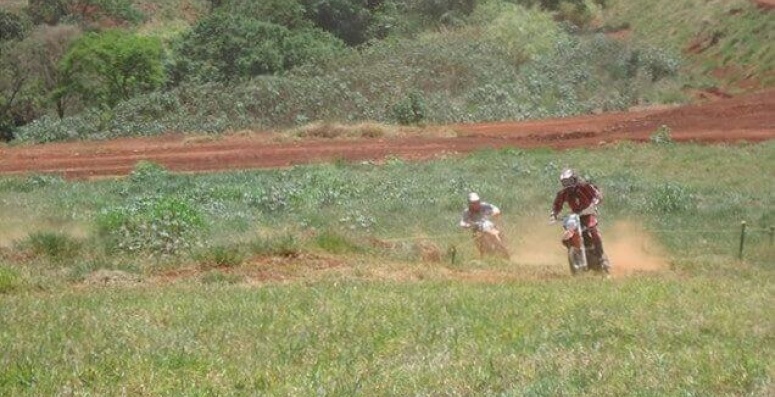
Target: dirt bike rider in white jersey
x=477 y=217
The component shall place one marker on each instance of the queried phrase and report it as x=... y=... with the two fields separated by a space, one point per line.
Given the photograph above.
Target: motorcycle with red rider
x=581 y=235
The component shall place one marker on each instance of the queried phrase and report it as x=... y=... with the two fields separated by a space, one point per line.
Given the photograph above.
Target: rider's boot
x=605 y=264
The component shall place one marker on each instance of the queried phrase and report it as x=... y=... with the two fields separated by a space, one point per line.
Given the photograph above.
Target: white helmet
x=568 y=178
x=473 y=197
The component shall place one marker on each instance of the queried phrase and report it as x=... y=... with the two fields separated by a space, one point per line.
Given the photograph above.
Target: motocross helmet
x=568 y=178
x=473 y=198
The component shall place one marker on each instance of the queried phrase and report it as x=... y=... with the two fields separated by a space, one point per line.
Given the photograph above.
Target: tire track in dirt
x=749 y=118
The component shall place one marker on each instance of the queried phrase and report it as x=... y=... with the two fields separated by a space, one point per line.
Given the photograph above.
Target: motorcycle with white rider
x=488 y=238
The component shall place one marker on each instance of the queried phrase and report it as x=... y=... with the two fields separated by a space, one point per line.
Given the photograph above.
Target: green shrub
x=12 y=26
x=53 y=245
x=411 y=110
x=163 y=225
x=146 y=172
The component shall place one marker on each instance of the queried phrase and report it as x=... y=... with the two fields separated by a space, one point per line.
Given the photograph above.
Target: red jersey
x=578 y=197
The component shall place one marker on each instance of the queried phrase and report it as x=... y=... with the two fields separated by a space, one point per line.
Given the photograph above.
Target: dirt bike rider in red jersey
x=582 y=198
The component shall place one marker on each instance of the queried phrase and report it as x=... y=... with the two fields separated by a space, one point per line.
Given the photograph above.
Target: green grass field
x=280 y=290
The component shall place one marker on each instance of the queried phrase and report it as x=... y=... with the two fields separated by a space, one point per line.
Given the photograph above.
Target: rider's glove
x=552 y=217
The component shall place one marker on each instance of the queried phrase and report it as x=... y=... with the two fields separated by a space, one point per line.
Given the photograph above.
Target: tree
x=48 y=46
x=29 y=75
x=350 y=20
x=228 y=47
x=106 y=68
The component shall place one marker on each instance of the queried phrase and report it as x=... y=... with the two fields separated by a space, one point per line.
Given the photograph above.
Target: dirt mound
x=748 y=118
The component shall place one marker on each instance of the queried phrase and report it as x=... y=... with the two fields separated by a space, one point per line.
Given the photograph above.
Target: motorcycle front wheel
x=575 y=261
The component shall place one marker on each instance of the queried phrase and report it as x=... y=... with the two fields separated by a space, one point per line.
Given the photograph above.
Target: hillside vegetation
x=730 y=44
x=286 y=63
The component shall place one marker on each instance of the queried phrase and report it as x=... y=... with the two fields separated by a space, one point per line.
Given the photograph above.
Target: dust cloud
x=631 y=250
x=14 y=228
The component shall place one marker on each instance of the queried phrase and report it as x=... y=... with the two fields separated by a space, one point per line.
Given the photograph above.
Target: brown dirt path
x=748 y=118
x=765 y=4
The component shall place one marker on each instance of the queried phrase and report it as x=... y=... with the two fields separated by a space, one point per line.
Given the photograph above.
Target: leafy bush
x=156 y=225
x=411 y=110
x=12 y=26
x=146 y=172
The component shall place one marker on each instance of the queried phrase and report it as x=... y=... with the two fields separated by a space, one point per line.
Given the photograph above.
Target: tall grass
x=643 y=336
x=344 y=318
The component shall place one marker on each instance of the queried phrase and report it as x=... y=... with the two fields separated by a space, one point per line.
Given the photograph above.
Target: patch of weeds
x=287 y=246
x=221 y=256
x=85 y=269
x=671 y=198
x=52 y=245
x=662 y=136
x=147 y=171
x=158 y=225
x=10 y=280
x=30 y=183
x=336 y=243
x=218 y=277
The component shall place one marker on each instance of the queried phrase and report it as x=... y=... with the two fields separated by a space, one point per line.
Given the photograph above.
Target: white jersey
x=486 y=210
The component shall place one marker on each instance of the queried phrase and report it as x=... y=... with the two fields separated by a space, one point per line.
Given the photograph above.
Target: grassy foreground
x=325 y=313
x=644 y=336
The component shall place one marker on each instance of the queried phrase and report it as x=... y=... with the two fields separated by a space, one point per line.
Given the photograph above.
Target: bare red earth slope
x=748 y=118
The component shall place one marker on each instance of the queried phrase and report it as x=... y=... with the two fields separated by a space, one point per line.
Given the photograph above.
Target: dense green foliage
x=106 y=68
x=88 y=12
x=233 y=47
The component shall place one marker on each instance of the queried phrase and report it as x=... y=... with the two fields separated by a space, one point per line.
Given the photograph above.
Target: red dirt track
x=749 y=118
